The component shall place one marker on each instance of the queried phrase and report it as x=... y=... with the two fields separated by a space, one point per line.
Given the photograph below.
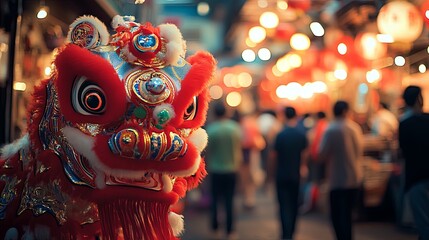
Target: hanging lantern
x=304 y=5
x=368 y=47
x=401 y=20
x=331 y=37
x=424 y=11
x=284 y=31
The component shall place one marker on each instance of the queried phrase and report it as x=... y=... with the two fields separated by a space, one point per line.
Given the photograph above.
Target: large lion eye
x=191 y=111
x=87 y=97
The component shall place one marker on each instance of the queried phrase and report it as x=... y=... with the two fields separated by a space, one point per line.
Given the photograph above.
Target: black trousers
x=342 y=202
x=287 y=197
x=223 y=187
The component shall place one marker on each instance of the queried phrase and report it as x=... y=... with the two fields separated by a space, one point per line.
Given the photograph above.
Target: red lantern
x=284 y=31
x=368 y=47
x=304 y=5
x=424 y=10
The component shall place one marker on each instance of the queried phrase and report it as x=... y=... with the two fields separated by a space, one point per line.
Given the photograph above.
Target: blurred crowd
x=294 y=156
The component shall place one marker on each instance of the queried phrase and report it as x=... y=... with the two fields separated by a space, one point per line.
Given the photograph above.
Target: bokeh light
x=248 y=55
x=215 y=92
x=233 y=99
x=300 y=41
x=244 y=79
x=269 y=20
x=317 y=29
x=264 y=54
x=257 y=34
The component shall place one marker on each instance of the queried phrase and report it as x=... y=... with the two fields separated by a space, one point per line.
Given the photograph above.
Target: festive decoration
x=401 y=20
x=424 y=12
x=114 y=137
x=367 y=46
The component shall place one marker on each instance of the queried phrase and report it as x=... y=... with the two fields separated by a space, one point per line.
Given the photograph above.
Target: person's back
x=345 y=139
x=223 y=157
x=341 y=148
x=224 y=148
x=413 y=141
x=289 y=147
x=290 y=143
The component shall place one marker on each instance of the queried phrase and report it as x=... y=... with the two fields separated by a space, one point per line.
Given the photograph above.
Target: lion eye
x=87 y=97
x=191 y=111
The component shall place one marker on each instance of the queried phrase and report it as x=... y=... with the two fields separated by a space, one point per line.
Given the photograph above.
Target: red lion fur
x=108 y=155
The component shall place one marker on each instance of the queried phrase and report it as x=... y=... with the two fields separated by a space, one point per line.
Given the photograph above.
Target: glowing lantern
x=304 y=5
x=369 y=47
x=401 y=20
x=284 y=31
x=424 y=9
x=332 y=35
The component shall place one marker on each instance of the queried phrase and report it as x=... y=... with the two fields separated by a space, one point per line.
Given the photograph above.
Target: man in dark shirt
x=289 y=147
x=414 y=143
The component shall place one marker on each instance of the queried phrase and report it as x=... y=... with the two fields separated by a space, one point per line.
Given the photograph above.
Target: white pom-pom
x=177 y=224
x=118 y=21
x=175 y=45
x=199 y=138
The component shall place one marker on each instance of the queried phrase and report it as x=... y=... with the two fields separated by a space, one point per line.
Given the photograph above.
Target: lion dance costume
x=114 y=137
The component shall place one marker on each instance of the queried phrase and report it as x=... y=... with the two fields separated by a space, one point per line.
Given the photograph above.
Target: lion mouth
x=148 y=180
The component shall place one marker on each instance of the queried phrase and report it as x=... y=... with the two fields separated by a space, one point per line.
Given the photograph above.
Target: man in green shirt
x=223 y=157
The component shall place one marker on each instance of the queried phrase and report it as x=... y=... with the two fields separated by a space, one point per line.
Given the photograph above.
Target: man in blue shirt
x=290 y=148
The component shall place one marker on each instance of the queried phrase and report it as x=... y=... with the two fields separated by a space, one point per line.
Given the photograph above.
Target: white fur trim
x=11 y=149
x=118 y=21
x=175 y=45
x=199 y=138
x=98 y=25
x=161 y=107
x=177 y=223
x=11 y=234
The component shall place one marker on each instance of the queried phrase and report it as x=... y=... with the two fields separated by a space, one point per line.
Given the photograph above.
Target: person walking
x=414 y=144
x=342 y=148
x=290 y=148
x=251 y=173
x=223 y=156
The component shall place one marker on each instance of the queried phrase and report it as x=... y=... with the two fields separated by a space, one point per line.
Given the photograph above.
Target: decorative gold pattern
x=135 y=86
x=45 y=198
x=89 y=128
x=8 y=193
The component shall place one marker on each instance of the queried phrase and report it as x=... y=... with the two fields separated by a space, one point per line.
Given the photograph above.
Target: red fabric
x=319 y=130
x=146 y=29
x=73 y=62
x=194 y=84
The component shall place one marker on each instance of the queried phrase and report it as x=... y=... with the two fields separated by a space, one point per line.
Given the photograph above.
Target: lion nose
x=139 y=144
x=128 y=143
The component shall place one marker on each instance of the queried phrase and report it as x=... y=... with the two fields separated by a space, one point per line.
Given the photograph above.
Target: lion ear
x=88 y=32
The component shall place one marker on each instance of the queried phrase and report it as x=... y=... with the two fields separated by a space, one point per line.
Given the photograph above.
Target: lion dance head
x=114 y=137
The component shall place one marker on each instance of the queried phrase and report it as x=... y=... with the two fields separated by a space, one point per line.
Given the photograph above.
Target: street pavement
x=261 y=223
